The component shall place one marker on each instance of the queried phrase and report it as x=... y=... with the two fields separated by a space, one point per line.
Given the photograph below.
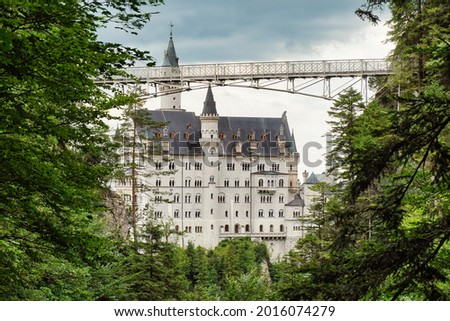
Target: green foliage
x=154 y=267
x=390 y=216
x=55 y=156
x=236 y=269
x=369 y=9
x=250 y=286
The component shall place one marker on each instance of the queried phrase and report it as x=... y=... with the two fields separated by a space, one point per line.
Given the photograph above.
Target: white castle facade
x=218 y=177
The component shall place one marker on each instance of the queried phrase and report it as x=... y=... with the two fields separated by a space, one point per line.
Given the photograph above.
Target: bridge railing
x=261 y=70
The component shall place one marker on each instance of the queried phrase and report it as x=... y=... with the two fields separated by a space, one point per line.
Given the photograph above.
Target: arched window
x=176 y=214
x=247 y=228
x=261 y=213
x=221 y=198
x=261 y=228
x=227 y=228
x=271 y=228
x=237 y=228
x=281 y=228
x=261 y=183
x=281 y=183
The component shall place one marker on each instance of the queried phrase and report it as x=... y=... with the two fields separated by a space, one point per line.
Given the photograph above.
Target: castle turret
x=209 y=119
x=170 y=91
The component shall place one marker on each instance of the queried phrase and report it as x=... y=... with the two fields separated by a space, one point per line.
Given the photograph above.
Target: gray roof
x=316 y=178
x=182 y=124
x=209 y=106
x=170 y=56
x=297 y=201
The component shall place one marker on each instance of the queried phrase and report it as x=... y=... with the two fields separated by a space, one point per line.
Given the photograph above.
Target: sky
x=214 y=31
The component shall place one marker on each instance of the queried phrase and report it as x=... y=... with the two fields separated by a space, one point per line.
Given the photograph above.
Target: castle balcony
x=267 y=190
x=256 y=236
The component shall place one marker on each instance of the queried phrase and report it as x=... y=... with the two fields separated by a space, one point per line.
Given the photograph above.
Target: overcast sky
x=214 y=31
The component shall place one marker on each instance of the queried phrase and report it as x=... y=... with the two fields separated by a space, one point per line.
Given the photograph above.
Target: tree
x=397 y=186
x=240 y=270
x=155 y=267
x=344 y=113
x=136 y=149
x=55 y=155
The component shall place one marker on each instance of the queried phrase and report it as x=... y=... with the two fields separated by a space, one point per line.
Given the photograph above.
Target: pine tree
x=135 y=151
x=155 y=269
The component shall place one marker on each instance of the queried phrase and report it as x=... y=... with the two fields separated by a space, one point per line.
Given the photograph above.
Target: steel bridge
x=310 y=77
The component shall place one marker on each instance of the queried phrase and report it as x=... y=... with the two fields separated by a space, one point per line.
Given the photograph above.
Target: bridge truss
x=311 y=78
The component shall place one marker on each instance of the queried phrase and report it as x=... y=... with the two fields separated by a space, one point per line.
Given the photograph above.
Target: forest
x=382 y=235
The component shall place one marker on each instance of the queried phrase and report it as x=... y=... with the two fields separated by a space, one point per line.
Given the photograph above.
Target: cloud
x=235 y=30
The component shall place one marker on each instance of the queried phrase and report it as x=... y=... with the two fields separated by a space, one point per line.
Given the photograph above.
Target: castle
x=218 y=177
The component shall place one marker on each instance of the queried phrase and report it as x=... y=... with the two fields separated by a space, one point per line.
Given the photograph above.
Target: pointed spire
x=170 y=55
x=209 y=106
x=293 y=148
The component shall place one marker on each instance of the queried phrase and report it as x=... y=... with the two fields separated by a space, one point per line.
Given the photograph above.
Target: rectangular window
x=245 y=166
x=230 y=166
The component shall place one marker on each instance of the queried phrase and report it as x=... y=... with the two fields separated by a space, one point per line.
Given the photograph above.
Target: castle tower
x=209 y=120
x=170 y=91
